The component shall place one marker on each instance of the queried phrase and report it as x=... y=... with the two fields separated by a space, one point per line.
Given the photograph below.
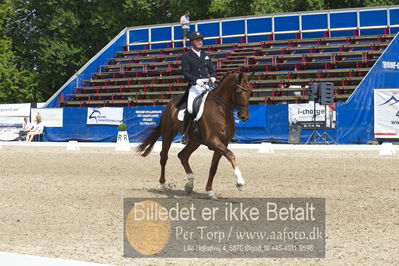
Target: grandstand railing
x=314 y=24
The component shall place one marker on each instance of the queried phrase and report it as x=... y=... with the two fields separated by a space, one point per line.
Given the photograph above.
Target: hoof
x=212 y=195
x=189 y=188
x=240 y=187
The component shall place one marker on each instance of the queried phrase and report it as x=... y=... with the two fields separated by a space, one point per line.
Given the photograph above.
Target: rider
x=197 y=68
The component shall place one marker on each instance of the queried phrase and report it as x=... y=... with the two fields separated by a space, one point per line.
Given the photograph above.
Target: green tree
x=269 y=6
x=16 y=84
x=230 y=8
x=46 y=36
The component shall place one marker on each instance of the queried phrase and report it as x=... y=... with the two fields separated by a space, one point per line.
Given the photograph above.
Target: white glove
x=213 y=79
x=201 y=82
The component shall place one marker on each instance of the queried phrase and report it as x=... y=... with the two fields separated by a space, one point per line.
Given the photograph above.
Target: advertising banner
x=20 y=110
x=302 y=115
x=386 y=113
x=104 y=116
x=11 y=119
x=52 y=117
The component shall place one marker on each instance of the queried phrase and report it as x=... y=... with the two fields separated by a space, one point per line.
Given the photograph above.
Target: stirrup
x=184 y=139
x=233 y=140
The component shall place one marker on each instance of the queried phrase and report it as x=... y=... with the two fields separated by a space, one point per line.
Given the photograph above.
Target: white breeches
x=192 y=94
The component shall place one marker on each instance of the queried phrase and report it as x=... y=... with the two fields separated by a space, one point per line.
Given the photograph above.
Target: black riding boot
x=186 y=126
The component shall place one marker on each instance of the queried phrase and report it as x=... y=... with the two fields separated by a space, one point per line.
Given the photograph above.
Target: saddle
x=197 y=104
x=182 y=103
x=190 y=120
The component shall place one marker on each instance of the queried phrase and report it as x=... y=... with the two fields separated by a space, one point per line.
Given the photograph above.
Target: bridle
x=228 y=105
x=235 y=97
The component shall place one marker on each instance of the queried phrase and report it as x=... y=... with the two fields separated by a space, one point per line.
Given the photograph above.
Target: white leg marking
x=240 y=179
x=212 y=195
x=190 y=176
x=190 y=183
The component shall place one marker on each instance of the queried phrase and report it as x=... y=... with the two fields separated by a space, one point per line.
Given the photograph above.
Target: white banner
x=386 y=113
x=302 y=114
x=11 y=119
x=51 y=117
x=104 y=116
x=20 y=109
x=40 y=105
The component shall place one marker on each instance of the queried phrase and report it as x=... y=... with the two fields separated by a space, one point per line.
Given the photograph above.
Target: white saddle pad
x=180 y=115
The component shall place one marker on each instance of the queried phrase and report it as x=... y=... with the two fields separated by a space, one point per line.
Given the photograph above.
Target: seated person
x=26 y=127
x=38 y=128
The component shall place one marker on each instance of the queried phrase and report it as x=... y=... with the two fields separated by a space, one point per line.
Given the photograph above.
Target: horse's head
x=241 y=95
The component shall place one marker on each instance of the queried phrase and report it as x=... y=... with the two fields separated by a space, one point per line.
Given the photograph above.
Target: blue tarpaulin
x=266 y=123
x=355 y=117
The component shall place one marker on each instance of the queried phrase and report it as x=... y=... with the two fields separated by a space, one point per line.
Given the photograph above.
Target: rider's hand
x=200 y=82
x=213 y=79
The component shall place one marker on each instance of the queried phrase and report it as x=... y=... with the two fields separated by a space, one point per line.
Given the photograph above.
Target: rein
x=228 y=105
x=223 y=102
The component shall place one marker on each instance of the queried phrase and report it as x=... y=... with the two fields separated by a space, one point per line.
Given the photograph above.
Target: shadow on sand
x=180 y=193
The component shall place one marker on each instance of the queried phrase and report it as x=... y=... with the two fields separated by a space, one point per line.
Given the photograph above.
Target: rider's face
x=197 y=44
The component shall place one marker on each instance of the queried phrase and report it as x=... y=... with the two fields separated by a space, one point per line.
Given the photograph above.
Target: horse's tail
x=148 y=142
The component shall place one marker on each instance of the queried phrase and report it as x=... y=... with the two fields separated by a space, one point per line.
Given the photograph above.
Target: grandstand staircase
x=283 y=70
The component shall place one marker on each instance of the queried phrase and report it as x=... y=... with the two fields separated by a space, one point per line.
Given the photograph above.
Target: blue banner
x=355 y=118
x=266 y=123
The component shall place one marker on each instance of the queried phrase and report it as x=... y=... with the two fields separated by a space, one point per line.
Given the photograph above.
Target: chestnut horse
x=216 y=126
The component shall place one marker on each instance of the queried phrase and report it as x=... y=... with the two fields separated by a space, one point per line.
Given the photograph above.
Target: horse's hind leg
x=166 y=142
x=184 y=155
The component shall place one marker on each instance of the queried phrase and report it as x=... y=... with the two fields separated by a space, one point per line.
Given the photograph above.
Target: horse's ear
x=251 y=76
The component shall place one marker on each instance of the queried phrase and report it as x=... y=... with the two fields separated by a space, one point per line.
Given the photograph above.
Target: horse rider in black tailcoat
x=197 y=68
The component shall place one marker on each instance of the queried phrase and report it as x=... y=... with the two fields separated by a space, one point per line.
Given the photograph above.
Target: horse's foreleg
x=184 y=155
x=212 y=171
x=220 y=147
x=232 y=159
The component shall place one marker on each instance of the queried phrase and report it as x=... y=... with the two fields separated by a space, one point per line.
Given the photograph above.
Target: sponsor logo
x=391 y=100
x=94 y=115
x=10 y=109
x=104 y=116
x=390 y=65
